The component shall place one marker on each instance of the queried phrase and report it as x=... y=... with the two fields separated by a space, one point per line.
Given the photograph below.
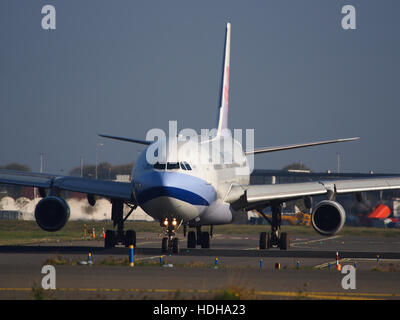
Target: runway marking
x=290 y=294
x=316 y=240
x=294 y=244
x=140 y=243
x=149 y=258
x=332 y=263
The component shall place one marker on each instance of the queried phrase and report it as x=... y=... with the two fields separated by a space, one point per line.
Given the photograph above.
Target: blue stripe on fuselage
x=181 y=186
x=177 y=193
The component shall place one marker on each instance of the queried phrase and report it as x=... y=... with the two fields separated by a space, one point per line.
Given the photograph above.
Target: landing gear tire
x=191 y=240
x=284 y=241
x=112 y=238
x=205 y=240
x=175 y=245
x=199 y=236
x=276 y=238
x=269 y=241
x=164 y=245
x=263 y=240
x=130 y=238
x=109 y=241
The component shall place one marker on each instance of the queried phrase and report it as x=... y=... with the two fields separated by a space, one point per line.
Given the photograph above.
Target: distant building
x=123 y=178
x=11 y=215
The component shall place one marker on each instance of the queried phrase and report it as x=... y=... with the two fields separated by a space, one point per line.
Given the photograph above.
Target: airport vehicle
x=296 y=219
x=187 y=190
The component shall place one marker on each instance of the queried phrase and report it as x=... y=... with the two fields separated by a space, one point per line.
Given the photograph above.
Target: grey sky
x=124 y=67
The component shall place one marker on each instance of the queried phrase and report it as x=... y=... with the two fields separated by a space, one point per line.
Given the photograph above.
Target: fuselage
x=190 y=180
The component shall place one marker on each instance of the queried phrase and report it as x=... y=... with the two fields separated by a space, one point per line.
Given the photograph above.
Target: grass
x=235 y=293
x=58 y=261
x=14 y=232
x=37 y=292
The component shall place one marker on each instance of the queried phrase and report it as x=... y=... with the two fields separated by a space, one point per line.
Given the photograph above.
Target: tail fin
x=224 y=89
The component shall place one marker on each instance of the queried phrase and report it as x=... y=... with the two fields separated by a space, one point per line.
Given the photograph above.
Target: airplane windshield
x=160 y=166
x=172 y=165
x=187 y=166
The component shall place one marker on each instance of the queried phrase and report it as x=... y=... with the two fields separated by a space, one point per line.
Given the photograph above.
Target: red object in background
x=381 y=212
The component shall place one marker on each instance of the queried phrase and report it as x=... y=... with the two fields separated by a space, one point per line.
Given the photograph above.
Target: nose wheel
x=170 y=243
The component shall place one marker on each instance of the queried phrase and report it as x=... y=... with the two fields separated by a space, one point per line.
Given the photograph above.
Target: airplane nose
x=173 y=194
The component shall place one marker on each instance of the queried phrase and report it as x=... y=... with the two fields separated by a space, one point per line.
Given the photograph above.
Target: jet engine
x=52 y=213
x=328 y=217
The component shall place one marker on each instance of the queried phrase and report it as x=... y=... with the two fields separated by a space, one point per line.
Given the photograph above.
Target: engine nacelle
x=52 y=213
x=328 y=217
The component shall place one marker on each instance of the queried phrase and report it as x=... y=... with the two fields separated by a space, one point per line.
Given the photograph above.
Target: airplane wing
x=139 y=141
x=104 y=188
x=250 y=196
x=296 y=146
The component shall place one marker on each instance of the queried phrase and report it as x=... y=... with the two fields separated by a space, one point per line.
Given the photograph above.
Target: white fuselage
x=192 y=181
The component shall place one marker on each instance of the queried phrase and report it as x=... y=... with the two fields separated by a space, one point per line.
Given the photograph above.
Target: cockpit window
x=187 y=165
x=160 y=166
x=172 y=165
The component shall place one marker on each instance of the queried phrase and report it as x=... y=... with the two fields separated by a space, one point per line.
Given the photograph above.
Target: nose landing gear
x=170 y=243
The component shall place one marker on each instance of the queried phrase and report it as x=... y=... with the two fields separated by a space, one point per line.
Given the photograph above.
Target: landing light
x=166 y=222
x=174 y=222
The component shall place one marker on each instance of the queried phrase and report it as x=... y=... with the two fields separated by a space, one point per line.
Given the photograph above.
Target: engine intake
x=52 y=213
x=328 y=217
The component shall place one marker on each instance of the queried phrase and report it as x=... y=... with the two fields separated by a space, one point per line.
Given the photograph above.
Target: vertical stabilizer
x=224 y=89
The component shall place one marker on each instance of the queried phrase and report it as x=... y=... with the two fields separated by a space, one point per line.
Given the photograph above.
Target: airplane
x=183 y=191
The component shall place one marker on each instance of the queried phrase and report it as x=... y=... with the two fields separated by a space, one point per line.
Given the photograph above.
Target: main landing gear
x=170 y=243
x=200 y=238
x=119 y=237
x=276 y=238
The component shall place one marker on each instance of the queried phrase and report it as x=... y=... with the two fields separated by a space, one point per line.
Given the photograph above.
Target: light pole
x=81 y=167
x=97 y=155
x=41 y=162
